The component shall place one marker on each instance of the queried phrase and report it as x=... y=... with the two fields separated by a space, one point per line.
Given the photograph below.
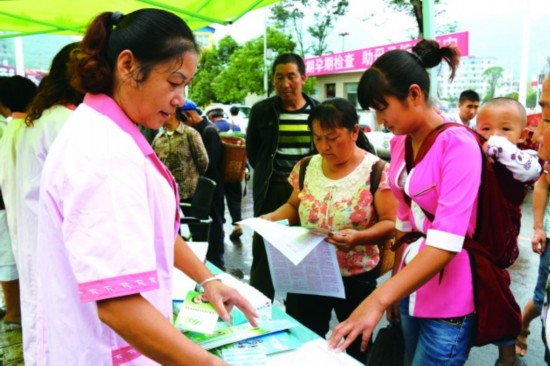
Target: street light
x=343 y=34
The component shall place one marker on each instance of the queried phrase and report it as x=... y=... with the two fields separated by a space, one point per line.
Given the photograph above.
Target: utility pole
x=343 y=35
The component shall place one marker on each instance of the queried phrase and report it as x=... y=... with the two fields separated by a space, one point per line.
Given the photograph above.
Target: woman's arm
x=428 y=262
x=288 y=211
x=147 y=330
x=385 y=205
x=222 y=297
x=540 y=200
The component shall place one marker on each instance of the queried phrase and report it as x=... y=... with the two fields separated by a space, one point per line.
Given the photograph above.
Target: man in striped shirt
x=277 y=138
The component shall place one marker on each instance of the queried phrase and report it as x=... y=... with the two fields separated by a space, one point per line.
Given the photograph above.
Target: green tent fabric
x=71 y=17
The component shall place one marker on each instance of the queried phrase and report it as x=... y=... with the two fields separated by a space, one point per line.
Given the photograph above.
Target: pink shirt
x=445 y=183
x=107 y=227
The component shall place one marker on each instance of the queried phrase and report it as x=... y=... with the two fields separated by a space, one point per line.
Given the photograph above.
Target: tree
x=493 y=75
x=327 y=13
x=414 y=8
x=531 y=100
x=245 y=72
x=288 y=14
x=291 y=13
x=211 y=63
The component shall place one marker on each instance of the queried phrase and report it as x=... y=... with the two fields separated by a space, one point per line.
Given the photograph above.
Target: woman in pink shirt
x=437 y=198
x=108 y=218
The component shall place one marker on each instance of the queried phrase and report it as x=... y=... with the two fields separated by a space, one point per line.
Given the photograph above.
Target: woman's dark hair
x=152 y=35
x=395 y=71
x=17 y=93
x=55 y=88
x=339 y=113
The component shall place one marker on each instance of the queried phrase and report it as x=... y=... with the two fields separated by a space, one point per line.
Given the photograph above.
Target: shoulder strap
x=424 y=148
x=426 y=145
x=375 y=175
x=303 y=167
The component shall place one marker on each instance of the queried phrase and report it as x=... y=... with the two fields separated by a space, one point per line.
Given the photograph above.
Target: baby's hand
x=485 y=148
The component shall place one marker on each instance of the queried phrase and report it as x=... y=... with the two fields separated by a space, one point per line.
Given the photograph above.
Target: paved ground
x=239 y=258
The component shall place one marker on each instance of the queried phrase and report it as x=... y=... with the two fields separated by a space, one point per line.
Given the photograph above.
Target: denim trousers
x=435 y=342
x=544 y=263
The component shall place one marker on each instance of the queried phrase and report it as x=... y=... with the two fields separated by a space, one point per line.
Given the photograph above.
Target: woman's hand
x=539 y=241
x=223 y=298
x=362 y=322
x=344 y=240
x=266 y=217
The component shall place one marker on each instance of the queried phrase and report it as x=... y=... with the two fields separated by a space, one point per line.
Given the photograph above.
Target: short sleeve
x=402 y=222
x=108 y=229
x=385 y=178
x=294 y=177
x=523 y=164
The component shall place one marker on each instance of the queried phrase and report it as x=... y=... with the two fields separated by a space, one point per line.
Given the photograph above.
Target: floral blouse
x=345 y=203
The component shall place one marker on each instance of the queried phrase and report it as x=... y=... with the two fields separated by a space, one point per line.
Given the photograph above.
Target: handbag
x=388 y=348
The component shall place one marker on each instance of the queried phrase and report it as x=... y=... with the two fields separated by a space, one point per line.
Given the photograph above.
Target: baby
x=501 y=121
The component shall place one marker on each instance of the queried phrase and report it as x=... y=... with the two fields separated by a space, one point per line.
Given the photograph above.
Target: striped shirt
x=294 y=140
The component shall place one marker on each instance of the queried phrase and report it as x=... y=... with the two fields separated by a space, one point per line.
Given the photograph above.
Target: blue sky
x=495 y=26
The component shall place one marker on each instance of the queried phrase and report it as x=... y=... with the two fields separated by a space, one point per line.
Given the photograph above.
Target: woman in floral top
x=336 y=197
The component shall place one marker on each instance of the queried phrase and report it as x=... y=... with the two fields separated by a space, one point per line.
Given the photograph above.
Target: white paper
x=294 y=242
x=315 y=352
x=181 y=283
x=317 y=274
x=245 y=356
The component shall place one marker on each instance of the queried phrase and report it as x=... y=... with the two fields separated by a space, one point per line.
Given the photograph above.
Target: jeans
x=538 y=296
x=435 y=341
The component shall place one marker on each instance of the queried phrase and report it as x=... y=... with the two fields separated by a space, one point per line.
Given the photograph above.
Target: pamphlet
x=244 y=357
x=225 y=334
x=295 y=243
x=269 y=343
x=197 y=314
x=318 y=274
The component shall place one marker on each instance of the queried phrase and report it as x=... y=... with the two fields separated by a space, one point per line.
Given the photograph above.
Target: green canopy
x=71 y=17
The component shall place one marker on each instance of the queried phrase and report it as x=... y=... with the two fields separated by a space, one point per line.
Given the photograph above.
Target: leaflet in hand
x=197 y=314
x=293 y=242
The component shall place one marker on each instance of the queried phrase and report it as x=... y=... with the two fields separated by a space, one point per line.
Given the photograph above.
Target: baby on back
x=501 y=121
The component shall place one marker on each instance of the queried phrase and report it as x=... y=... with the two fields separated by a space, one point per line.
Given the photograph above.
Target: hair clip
x=116 y=17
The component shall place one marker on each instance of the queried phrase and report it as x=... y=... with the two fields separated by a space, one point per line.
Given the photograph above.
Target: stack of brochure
x=227 y=334
x=260 y=302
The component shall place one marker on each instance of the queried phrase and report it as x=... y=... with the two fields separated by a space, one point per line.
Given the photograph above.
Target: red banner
x=359 y=60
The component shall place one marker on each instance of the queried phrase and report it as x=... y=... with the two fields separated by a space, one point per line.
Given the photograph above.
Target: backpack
x=387 y=256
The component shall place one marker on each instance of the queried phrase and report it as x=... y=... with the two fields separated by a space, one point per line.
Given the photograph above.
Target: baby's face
x=503 y=120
